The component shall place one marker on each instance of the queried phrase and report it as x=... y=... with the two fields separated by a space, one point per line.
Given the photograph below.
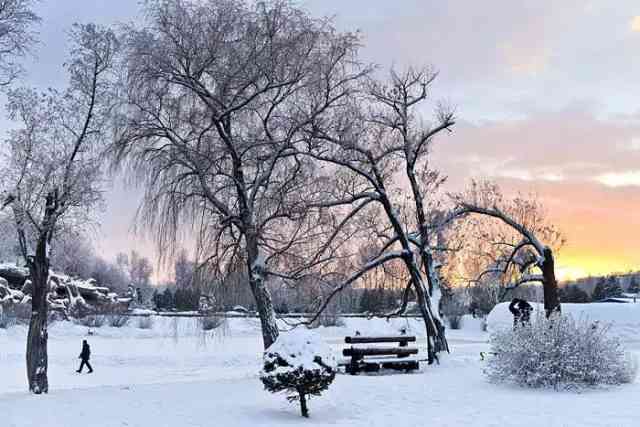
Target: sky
x=546 y=96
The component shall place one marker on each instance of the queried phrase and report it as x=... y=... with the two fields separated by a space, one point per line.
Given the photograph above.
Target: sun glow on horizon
x=572 y=266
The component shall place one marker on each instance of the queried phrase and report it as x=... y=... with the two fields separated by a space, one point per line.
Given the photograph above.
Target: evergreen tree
x=168 y=299
x=634 y=285
x=613 y=287
x=600 y=291
x=573 y=294
x=365 y=301
x=157 y=299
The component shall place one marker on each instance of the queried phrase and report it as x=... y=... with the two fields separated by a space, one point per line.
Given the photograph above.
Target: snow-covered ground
x=172 y=375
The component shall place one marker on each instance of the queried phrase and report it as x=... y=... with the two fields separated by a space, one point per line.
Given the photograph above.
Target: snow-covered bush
x=455 y=321
x=328 y=320
x=209 y=323
x=117 y=320
x=145 y=322
x=560 y=352
x=7 y=317
x=300 y=364
x=92 y=320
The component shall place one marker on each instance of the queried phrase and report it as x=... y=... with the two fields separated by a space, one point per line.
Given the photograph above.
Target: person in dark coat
x=85 y=354
x=521 y=311
x=525 y=311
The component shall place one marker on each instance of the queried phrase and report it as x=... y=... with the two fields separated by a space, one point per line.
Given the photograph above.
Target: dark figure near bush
x=85 y=354
x=521 y=311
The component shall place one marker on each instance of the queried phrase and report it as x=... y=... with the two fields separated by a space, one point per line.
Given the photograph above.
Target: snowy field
x=172 y=375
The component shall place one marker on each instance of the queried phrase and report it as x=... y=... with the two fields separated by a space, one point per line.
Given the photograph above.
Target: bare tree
x=513 y=244
x=380 y=144
x=140 y=270
x=183 y=269
x=218 y=94
x=53 y=170
x=16 y=36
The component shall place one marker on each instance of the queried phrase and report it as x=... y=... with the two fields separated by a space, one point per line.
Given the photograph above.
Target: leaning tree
x=218 y=94
x=379 y=145
x=52 y=169
x=509 y=237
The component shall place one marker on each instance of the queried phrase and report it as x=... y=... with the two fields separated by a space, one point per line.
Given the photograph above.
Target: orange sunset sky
x=547 y=95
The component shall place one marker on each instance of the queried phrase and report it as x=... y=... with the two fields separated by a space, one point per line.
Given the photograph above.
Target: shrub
x=145 y=322
x=455 y=321
x=117 y=320
x=453 y=306
x=327 y=320
x=299 y=364
x=92 y=320
x=8 y=317
x=210 y=323
x=561 y=353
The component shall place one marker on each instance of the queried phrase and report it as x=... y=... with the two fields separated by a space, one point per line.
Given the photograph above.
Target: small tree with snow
x=299 y=364
x=559 y=352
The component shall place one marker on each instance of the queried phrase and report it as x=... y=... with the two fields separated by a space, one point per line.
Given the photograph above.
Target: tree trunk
x=260 y=292
x=37 y=358
x=549 y=284
x=303 y=405
x=432 y=332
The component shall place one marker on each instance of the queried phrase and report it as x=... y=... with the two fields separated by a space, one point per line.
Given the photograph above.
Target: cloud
x=519 y=60
x=580 y=166
x=620 y=179
x=569 y=145
x=635 y=24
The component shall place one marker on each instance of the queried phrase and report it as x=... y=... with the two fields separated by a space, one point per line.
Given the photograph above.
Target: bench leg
x=353 y=366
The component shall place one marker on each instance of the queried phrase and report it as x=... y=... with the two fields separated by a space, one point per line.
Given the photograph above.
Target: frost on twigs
x=560 y=352
x=299 y=364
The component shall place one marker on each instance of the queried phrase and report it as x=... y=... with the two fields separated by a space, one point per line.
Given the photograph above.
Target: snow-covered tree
x=300 y=364
x=516 y=240
x=218 y=94
x=52 y=172
x=17 y=35
x=379 y=144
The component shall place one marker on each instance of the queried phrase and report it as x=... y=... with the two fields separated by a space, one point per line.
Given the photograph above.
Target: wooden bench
x=372 y=359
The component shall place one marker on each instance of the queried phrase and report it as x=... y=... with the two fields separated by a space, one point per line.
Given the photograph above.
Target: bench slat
x=379 y=351
x=345 y=362
x=398 y=365
x=370 y=340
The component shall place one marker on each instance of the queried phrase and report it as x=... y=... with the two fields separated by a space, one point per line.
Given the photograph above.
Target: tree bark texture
x=37 y=357
x=549 y=284
x=303 y=405
x=260 y=292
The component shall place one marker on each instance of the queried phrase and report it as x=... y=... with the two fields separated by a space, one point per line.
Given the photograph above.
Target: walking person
x=85 y=354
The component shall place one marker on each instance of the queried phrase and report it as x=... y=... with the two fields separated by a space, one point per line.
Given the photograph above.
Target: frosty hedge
x=299 y=364
x=560 y=352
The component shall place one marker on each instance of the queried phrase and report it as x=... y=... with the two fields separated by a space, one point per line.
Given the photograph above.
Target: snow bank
x=624 y=318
